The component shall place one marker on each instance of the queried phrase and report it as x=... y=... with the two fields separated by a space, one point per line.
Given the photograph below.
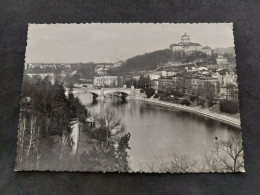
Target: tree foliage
x=112 y=154
x=229 y=107
x=45 y=129
x=149 y=92
x=143 y=62
x=86 y=71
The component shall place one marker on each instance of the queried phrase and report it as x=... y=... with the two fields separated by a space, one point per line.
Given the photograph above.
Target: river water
x=157 y=131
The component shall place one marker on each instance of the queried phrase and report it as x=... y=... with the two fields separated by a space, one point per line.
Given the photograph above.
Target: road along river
x=159 y=131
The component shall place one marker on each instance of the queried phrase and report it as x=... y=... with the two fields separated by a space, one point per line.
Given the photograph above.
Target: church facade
x=189 y=47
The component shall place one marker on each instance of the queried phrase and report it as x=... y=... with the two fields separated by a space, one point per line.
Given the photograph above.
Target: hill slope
x=224 y=50
x=143 y=62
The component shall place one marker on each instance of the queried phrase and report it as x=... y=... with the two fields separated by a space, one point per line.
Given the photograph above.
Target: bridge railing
x=109 y=89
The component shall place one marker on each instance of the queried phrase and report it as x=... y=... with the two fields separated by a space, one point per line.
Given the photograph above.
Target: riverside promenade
x=201 y=111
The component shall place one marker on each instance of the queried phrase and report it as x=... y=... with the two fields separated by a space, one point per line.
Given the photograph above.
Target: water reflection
x=159 y=131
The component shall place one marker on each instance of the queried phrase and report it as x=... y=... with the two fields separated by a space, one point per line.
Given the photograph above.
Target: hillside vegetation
x=229 y=50
x=150 y=61
x=143 y=62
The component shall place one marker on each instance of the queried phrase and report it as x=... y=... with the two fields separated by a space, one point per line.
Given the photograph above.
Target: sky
x=96 y=42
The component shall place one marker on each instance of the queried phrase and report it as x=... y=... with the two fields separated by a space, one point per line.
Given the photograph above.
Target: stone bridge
x=101 y=93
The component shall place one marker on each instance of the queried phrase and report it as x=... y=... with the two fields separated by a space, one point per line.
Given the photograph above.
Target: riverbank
x=197 y=110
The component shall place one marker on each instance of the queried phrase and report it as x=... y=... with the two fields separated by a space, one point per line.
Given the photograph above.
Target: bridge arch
x=124 y=92
x=105 y=91
x=95 y=95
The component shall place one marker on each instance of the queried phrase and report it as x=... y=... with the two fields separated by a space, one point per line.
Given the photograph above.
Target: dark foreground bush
x=210 y=104
x=149 y=92
x=193 y=98
x=229 y=107
x=185 y=102
x=201 y=102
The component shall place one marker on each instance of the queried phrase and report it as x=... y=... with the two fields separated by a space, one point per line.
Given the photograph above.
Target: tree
x=175 y=164
x=232 y=93
x=123 y=145
x=149 y=92
x=182 y=164
x=207 y=90
x=143 y=62
x=65 y=145
x=226 y=156
x=230 y=57
x=112 y=154
x=87 y=71
x=109 y=126
x=229 y=107
x=45 y=119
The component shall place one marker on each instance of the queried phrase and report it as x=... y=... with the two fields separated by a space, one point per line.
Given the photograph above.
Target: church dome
x=185 y=35
x=185 y=38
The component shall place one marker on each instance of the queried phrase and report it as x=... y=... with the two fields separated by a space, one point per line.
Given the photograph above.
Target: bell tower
x=185 y=38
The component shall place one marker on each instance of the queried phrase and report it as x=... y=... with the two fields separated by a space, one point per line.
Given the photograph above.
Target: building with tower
x=189 y=47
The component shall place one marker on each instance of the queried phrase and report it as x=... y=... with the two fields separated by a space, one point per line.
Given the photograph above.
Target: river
x=158 y=131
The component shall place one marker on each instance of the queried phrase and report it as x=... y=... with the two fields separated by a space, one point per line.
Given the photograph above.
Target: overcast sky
x=74 y=43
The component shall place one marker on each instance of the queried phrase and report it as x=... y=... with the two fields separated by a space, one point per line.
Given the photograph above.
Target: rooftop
x=222 y=71
x=206 y=47
x=188 y=44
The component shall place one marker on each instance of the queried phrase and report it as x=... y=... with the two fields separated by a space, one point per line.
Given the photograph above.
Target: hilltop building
x=189 y=47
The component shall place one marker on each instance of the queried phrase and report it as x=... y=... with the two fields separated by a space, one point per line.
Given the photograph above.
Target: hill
x=143 y=62
x=230 y=50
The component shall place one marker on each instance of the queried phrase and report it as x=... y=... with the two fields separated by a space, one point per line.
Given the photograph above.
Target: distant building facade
x=189 y=47
x=30 y=66
x=207 y=50
x=221 y=59
x=101 y=69
x=105 y=81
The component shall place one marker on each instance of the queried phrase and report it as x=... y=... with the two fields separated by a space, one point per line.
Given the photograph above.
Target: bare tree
x=109 y=124
x=65 y=142
x=182 y=164
x=22 y=126
x=226 y=156
x=176 y=164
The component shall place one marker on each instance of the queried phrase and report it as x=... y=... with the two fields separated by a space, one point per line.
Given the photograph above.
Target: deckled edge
x=117 y=172
x=18 y=128
x=234 y=41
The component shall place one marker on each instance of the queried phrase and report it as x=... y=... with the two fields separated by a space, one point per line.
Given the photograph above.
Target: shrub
x=141 y=91
x=201 y=102
x=185 y=102
x=178 y=93
x=156 y=95
x=210 y=103
x=229 y=107
x=149 y=92
x=193 y=98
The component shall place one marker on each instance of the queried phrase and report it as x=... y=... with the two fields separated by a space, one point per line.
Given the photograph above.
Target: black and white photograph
x=130 y=97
